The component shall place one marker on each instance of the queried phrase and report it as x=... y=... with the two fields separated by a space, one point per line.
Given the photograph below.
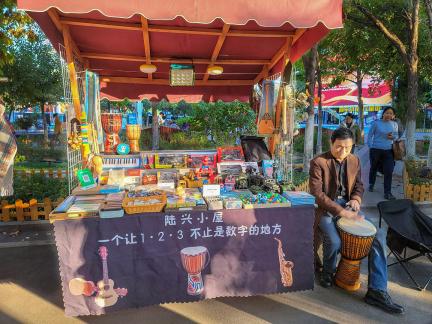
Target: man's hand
x=350 y=214
x=354 y=204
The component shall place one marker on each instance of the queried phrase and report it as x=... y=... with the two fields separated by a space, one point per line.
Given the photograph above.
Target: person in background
x=335 y=181
x=380 y=140
x=8 y=149
x=161 y=118
x=400 y=134
x=57 y=128
x=354 y=128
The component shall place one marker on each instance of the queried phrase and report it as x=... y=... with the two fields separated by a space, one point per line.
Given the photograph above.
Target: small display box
x=170 y=160
x=214 y=203
x=195 y=160
x=230 y=154
x=149 y=179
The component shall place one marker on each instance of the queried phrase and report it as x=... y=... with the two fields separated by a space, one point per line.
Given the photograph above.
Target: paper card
x=166 y=185
x=211 y=190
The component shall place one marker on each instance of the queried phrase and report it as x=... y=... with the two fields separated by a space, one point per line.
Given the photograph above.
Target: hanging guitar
x=107 y=295
x=266 y=126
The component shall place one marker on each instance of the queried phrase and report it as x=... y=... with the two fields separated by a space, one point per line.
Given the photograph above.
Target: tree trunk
x=45 y=126
x=320 y=117
x=309 y=62
x=359 y=82
x=155 y=127
x=412 y=110
x=409 y=55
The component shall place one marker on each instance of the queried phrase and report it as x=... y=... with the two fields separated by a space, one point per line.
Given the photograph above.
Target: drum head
x=194 y=250
x=357 y=227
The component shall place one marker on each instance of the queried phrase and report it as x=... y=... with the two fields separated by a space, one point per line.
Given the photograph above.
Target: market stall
x=148 y=227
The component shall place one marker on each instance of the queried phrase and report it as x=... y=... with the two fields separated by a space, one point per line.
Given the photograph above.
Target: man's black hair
x=55 y=115
x=349 y=115
x=341 y=133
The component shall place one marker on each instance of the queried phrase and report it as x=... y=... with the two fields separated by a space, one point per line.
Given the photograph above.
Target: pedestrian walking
x=57 y=129
x=354 y=128
x=380 y=141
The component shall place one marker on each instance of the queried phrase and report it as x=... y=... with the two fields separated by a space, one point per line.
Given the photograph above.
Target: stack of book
x=299 y=198
x=112 y=208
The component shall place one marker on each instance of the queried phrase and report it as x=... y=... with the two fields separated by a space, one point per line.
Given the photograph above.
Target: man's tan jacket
x=323 y=183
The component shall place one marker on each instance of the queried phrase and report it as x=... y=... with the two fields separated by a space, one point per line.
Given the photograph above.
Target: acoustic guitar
x=107 y=295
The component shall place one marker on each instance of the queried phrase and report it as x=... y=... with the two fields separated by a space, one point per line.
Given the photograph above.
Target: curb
x=8 y=245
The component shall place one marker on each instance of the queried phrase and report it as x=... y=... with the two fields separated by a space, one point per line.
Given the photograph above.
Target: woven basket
x=153 y=208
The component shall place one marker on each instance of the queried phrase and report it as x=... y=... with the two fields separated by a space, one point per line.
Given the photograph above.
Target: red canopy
x=248 y=38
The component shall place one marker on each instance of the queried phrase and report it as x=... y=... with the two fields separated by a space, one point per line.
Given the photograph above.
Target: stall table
x=153 y=258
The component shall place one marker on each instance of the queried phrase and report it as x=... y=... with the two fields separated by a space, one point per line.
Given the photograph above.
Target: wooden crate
x=31 y=211
x=303 y=187
x=416 y=192
x=48 y=173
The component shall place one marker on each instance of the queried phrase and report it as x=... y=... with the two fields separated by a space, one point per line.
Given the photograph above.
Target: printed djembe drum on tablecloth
x=357 y=237
x=133 y=134
x=194 y=260
x=111 y=124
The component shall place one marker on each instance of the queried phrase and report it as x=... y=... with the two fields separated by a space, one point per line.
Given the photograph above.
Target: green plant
x=25 y=122
x=39 y=187
x=299 y=178
x=38 y=153
x=417 y=172
x=19 y=158
x=223 y=122
x=181 y=140
x=299 y=142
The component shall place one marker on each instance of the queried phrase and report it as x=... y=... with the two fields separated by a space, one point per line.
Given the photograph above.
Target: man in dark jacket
x=335 y=181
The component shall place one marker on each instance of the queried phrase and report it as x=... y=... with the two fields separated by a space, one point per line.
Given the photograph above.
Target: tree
x=320 y=116
x=155 y=126
x=310 y=63
x=349 y=54
x=13 y=25
x=405 y=41
x=223 y=122
x=34 y=76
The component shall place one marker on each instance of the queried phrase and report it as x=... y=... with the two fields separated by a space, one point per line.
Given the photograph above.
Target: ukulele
x=107 y=295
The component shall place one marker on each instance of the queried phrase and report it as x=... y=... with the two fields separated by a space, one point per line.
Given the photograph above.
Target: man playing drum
x=335 y=181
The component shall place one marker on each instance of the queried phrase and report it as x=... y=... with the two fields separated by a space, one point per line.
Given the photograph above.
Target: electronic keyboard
x=121 y=162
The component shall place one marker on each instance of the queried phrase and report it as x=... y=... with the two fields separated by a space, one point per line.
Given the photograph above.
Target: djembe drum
x=79 y=286
x=111 y=124
x=194 y=260
x=357 y=237
x=133 y=133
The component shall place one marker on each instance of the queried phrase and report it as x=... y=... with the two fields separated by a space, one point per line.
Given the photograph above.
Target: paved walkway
x=30 y=290
x=371 y=199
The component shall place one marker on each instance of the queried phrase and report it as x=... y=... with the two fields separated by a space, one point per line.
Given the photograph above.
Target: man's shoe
x=371 y=188
x=379 y=174
x=382 y=300
x=389 y=196
x=326 y=279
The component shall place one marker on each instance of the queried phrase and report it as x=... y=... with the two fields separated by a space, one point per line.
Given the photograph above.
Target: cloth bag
x=399 y=150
